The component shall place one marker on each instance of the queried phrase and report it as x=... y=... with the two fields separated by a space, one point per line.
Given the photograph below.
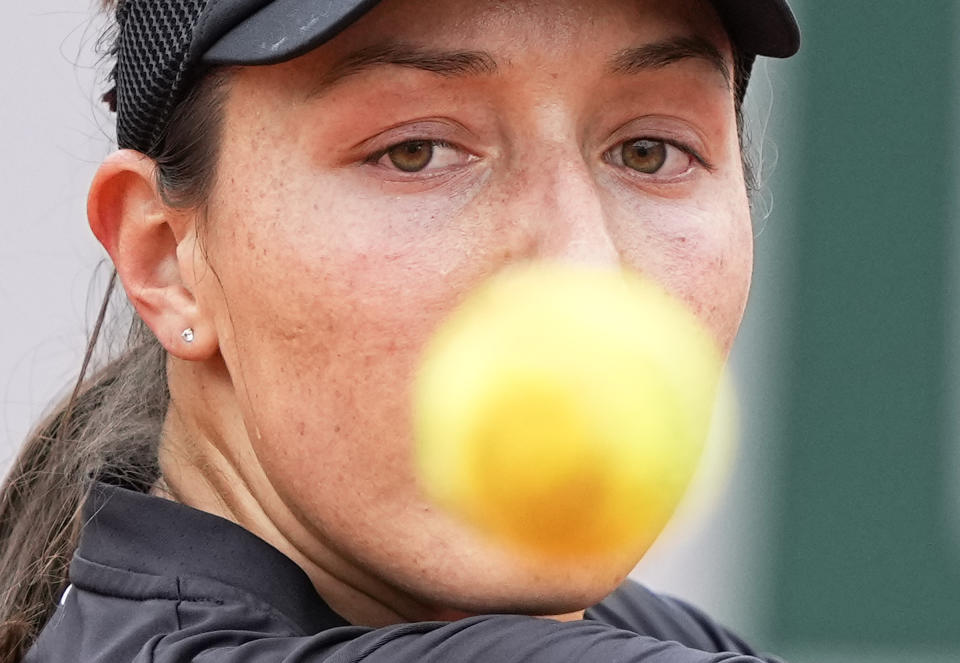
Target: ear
x=153 y=247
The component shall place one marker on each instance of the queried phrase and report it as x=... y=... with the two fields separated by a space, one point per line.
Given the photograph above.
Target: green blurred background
x=862 y=254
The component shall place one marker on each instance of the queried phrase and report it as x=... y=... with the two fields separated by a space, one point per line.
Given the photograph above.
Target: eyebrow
x=444 y=63
x=663 y=53
x=656 y=55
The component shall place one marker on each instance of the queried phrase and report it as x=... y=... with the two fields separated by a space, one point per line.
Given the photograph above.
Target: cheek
x=324 y=310
x=701 y=254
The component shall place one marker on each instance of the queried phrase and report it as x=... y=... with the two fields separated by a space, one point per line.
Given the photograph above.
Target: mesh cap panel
x=153 y=52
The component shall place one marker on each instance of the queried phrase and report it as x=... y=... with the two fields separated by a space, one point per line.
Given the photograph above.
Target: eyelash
x=686 y=149
x=379 y=154
x=610 y=157
x=436 y=143
x=433 y=142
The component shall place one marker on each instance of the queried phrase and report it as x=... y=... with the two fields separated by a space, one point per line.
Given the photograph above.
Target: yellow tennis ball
x=564 y=409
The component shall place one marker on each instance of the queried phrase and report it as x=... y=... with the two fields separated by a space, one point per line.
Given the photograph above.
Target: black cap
x=164 y=44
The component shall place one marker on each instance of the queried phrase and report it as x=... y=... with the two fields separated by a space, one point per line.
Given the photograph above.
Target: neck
x=210 y=464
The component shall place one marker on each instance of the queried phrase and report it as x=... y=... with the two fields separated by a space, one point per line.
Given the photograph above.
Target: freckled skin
x=327 y=275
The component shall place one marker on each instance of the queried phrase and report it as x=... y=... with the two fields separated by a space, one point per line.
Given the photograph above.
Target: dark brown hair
x=109 y=426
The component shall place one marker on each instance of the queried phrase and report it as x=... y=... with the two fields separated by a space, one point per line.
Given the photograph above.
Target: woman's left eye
x=417 y=156
x=650 y=156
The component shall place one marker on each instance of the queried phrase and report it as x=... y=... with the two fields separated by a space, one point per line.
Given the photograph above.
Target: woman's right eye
x=417 y=156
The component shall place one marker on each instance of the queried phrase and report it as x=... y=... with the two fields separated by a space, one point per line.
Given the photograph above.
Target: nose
x=564 y=212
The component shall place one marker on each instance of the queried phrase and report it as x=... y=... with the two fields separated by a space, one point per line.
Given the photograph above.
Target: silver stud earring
x=188 y=335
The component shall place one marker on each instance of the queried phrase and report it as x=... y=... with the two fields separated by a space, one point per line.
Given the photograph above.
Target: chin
x=532 y=585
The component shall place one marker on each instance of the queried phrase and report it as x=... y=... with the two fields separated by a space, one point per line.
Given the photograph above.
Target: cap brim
x=283 y=29
x=761 y=27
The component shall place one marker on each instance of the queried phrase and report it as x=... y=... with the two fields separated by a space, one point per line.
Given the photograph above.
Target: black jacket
x=155 y=581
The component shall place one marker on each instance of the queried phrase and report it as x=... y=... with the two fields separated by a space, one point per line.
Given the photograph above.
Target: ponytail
x=107 y=428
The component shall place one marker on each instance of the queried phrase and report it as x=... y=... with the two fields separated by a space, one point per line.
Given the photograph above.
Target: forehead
x=558 y=38
x=525 y=27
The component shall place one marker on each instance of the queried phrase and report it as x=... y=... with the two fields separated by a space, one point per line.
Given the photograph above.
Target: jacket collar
x=145 y=534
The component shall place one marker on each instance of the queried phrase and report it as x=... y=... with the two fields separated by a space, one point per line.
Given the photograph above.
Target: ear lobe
x=141 y=233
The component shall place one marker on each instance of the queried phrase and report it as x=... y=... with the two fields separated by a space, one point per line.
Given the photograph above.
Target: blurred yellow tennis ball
x=564 y=409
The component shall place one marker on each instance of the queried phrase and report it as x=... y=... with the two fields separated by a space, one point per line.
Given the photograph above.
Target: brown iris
x=645 y=156
x=411 y=157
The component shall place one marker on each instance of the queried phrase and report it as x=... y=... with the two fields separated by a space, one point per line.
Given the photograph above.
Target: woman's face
x=365 y=188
